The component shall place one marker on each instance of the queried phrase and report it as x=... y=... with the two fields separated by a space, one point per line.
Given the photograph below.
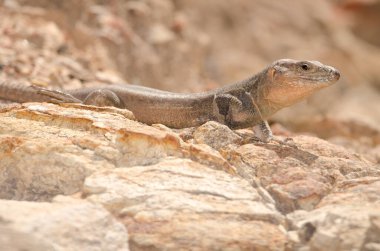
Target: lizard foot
x=56 y=97
x=264 y=134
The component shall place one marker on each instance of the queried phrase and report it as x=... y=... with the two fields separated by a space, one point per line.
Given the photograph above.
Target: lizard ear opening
x=275 y=71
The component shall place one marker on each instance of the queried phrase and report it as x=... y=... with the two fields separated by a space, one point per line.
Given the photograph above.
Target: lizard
x=248 y=103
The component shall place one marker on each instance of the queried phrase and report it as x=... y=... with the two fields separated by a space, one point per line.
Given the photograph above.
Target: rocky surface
x=64 y=224
x=68 y=144
x=207 y=192
x=76 y=177
x=346 y=219
x=175 y=205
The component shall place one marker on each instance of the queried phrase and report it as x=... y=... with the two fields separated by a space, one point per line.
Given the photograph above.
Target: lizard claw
x=264 y=134
x=273 y=139
x=285 y=142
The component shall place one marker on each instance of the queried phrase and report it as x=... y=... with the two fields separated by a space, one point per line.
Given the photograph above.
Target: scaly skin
x=247 y=103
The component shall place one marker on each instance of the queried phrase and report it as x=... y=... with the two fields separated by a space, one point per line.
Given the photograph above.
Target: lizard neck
x=271 y=100
x=258 y=86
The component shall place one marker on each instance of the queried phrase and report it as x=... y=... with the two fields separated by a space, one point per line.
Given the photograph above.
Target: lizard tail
x=18 y=92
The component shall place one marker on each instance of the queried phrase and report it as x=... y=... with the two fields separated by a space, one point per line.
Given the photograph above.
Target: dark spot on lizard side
x=223 y=105
x=234 y=103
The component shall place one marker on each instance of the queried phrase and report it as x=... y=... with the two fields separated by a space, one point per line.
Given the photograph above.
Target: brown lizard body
x=240 y=105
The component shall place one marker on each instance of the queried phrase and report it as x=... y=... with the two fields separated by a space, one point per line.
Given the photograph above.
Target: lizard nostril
x=334 y=72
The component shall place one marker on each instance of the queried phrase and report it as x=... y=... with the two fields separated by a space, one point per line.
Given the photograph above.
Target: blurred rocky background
x=197 y=45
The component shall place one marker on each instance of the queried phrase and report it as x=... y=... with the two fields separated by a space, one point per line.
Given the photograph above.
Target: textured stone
x=76 y=142
x=346 y=219
x=299 y=177
x=70 y=142
x=215 y=135
x=25 y=241
x=180 y=204
x=65 y=224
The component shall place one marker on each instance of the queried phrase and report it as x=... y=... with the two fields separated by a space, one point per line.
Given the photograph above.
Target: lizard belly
x=172 y=113
x=175 y=119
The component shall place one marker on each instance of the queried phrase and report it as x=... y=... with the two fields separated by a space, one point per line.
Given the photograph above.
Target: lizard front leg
x=237 y=109
x=263 y=132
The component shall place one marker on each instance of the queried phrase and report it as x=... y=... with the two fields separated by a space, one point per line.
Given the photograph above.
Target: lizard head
x=291 y=81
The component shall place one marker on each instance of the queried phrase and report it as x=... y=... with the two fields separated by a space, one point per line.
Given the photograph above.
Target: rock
x=70 y=142
x=65 y=224
x=372 y=236
x=25 y=241
x=208 y=156
x=298 y=178
x=346 y=219
x=179 y=204
x=65 y=143
x=215 y=135
x=170 y=194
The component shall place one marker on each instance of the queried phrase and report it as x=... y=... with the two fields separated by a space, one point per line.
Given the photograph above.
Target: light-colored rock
x=177 y=204
x=65 y=224
x=346 y=219
x=24 y=241
x=67 y=144
x=215 y=135
x=299 y=177
x=166 y=192
x=208 y=156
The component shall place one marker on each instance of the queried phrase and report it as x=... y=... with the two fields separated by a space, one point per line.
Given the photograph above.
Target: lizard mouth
x=331 y=76
x=334 y=74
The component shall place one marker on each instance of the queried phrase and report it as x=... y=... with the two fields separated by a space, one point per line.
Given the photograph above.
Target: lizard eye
x=305 y=67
